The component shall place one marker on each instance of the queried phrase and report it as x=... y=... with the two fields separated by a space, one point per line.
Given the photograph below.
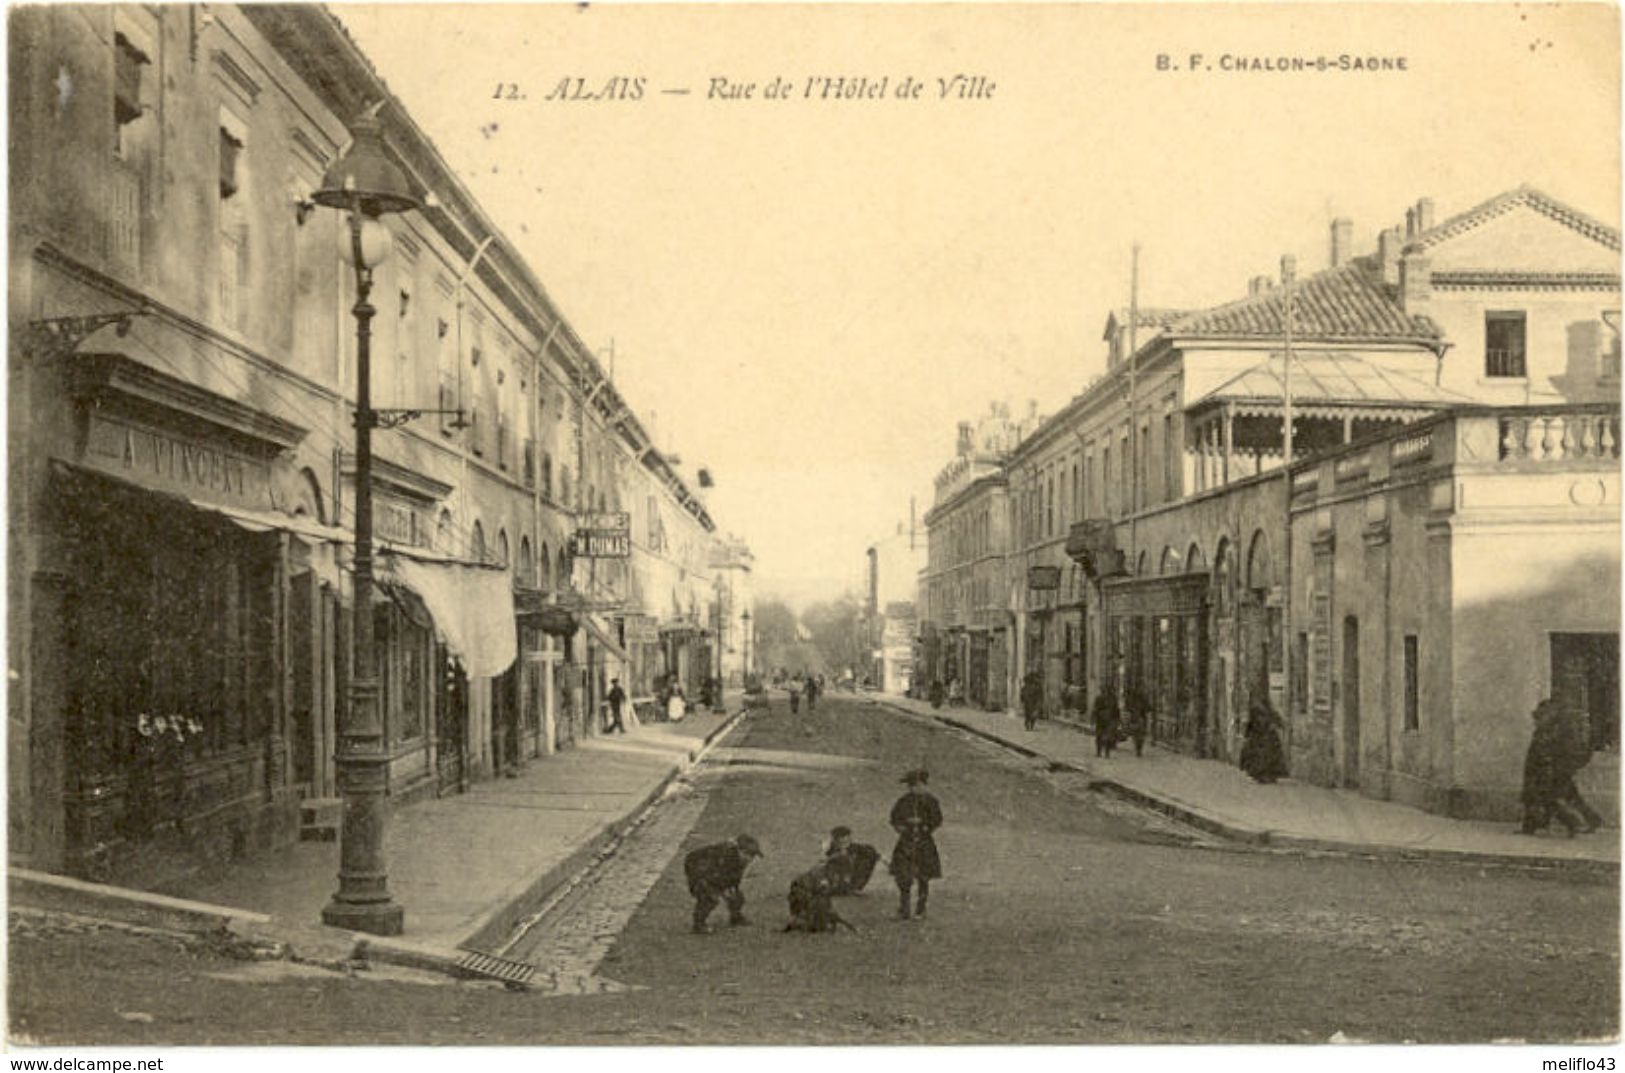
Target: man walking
x=915 y=817
x=616 y=698
x=1032 y=698
x=714 y=873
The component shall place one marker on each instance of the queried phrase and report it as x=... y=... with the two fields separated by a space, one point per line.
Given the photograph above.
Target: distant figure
x=1262 y=755
x=1032 y=699
x=1107 y=721
x=1136 y=717
x=811 y=909
x=616 y=698
x=714 y=873
x=813 y=689
x=915 y=817
x=850 y=863
x=676 y=706
x=936 y=693
x=795 y=697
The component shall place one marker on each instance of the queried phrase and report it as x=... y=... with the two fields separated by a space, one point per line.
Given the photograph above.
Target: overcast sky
x=807 y=295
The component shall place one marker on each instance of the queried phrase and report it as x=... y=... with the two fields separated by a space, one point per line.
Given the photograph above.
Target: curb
x=496 y=927
x=43 y=890
x=1254 y=836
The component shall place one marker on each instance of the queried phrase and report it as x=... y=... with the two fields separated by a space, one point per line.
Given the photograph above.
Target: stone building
x=1163 y=483
x=181 y=470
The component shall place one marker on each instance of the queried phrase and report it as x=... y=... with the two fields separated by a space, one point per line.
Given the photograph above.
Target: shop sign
x=172 y=463
x=1044 y=577
x=603 y=536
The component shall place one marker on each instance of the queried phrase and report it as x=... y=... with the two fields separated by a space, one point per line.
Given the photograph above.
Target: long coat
x=915 y=816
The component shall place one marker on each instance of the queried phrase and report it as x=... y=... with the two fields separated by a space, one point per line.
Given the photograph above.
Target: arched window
x=1258 y=563
x=564 y=486
x=443 y=534
x=1222 y=580
x=1142 y=564
x=502 y=547
x=527 y=565
x=476 y=543
x=309 y=502
x=547 y=568
x=563 y=569
x=1170 y=561
x=1194 y=562
x=547 y=475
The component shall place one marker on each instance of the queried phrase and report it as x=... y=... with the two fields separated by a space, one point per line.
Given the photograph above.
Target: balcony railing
x=1560 y=437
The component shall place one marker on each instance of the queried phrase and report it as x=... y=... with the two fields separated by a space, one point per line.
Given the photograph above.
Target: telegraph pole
x=1289 y=267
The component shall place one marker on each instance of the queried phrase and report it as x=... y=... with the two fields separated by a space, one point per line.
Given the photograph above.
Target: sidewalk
x=466 y=868
x=1220 y=799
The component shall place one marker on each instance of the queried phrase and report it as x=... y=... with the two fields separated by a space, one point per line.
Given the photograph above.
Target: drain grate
x=512 y=973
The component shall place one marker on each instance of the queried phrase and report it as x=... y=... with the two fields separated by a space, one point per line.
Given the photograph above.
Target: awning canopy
x=1330 y=385
x=472 y=608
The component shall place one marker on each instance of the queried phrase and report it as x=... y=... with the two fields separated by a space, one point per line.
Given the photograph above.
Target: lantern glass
x=375 y=245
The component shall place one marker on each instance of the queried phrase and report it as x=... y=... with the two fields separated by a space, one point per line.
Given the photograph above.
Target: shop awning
x=472 y=608
x=1331 y=385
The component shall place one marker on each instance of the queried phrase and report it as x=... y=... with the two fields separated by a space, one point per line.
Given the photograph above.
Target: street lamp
x=366 y=184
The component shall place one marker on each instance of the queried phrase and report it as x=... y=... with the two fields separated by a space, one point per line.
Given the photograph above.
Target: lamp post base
x=374 y=918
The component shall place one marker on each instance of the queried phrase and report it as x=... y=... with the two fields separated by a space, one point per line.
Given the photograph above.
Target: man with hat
x=714 y=874
x=915 y=861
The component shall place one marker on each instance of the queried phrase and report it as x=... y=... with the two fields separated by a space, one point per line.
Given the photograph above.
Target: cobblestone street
x=1062 y=917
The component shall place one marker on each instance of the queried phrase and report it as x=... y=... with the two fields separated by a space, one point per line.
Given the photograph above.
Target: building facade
x=181 y=450
x=1481 y=354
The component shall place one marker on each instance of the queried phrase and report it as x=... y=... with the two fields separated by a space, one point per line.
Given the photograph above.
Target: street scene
x=798 y=525
x=1133 y=928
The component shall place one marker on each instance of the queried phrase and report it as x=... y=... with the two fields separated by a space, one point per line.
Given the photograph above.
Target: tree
x=836 y=627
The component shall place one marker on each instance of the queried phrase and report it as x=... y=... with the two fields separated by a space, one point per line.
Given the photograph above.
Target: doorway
x=1585 y=676
x=1351 y=701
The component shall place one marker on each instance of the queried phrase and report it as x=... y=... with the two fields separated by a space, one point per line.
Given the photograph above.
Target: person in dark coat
x=811 y=909
x=617 y=699
x=1032 y=699
x=1262 y=755
x=850 y=863
x=915 y=817
x=1548 y=774
x=814 y=687
x=1108 y=723
x=1136 y=717
x=714 y=873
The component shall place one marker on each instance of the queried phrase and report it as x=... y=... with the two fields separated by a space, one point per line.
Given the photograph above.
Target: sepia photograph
x=810 y=525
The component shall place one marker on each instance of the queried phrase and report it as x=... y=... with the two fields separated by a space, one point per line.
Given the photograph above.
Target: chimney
x=1259 y=285
x=1389 y=243
x=1289 y=268
x=1342 y=240
x=964 y=446
x=1424 y=215
x=1410 y=223
x=1032 y=409
x=1415 y=282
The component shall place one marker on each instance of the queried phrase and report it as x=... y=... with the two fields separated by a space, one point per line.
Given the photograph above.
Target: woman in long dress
x=676 y=706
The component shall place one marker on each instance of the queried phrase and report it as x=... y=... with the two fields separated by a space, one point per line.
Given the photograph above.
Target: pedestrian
x=676 y=706
x=1107 y=721
x=914 y=861
x=1136 y=717
x=811 y=909
x=714 y=873
x=1547 y=774
x=1262 y=754
x=813 y=689
x=1032 y=699
x=850 y=863
x=617 y=699
x=795 y=697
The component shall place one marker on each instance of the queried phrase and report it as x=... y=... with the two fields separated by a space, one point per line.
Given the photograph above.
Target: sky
x=806 y=295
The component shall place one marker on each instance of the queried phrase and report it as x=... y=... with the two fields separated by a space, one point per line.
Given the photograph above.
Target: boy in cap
x=714 y=873
x=811 y=909
x=914 y=817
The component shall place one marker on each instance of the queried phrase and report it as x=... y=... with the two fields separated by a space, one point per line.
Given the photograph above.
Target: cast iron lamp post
x=364 y=183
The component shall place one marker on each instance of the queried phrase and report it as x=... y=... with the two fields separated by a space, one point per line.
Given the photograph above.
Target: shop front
x=1156 y=630
x=167 y=723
